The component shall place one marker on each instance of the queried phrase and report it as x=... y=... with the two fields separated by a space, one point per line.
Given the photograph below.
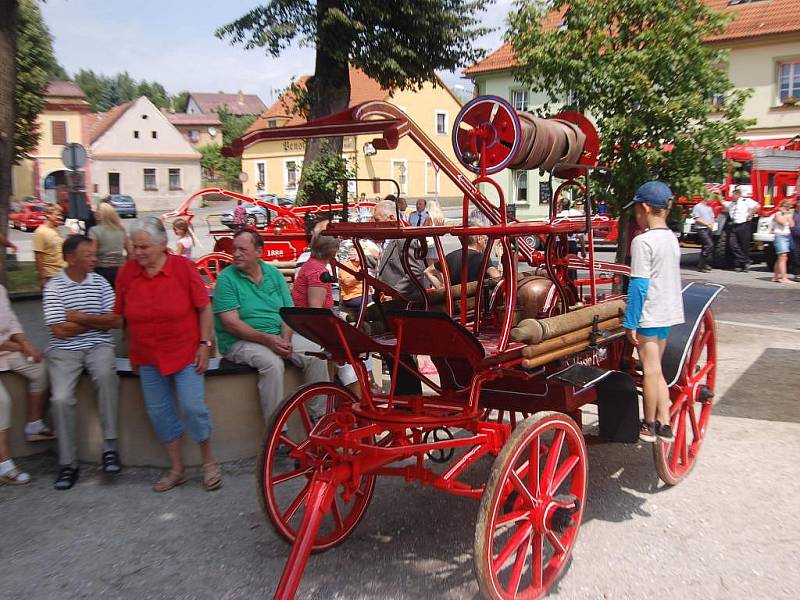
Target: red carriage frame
x=326 y=446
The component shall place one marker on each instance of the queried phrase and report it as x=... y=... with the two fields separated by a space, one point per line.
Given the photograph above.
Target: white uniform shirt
x=656 y=255
x=740 y=210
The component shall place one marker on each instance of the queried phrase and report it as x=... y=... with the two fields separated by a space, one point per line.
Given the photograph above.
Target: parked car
x=256 y=215
x=124 y=205
x=28 y=216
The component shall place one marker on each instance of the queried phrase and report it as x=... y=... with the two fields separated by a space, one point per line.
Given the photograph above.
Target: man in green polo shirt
x=250 y=331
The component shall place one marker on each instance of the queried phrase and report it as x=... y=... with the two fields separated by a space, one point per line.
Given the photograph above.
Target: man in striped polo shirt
x=78 y=307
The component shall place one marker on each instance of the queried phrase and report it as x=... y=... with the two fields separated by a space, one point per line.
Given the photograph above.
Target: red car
x=29 y=216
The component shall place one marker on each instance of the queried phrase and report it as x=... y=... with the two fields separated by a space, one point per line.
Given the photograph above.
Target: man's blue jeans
x=160 y=392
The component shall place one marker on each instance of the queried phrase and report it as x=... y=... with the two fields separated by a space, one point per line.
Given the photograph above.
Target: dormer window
x=272 y=123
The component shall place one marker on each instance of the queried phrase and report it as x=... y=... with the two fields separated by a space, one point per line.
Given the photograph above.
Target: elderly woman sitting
x=169 y=321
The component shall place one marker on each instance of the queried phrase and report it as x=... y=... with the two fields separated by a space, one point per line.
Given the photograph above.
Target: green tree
x=179 y=101
x=323 y=178
x=220 y=168
x=36 y=66
x=400 y=44
x=642 y=70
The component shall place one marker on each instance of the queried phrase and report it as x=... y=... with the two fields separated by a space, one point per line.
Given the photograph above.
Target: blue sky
x=172 y=42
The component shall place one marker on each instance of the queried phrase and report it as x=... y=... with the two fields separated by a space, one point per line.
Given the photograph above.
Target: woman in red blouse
x=169 y=323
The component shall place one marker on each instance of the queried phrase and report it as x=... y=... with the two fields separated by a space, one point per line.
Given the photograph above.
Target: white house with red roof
x=135 y=150
x=763 y=41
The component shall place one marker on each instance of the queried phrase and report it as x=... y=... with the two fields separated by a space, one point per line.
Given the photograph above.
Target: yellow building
x=60 y=123
x=273 y=167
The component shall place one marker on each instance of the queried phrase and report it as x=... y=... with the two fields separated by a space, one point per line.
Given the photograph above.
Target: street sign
x=73 y=156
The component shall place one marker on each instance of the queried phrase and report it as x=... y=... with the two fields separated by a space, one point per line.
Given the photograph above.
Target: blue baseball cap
x=655 y=193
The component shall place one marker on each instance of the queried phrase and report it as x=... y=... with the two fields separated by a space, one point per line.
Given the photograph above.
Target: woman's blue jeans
x=160 y=393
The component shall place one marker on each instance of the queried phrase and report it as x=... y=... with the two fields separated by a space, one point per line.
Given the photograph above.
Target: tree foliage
x=36 y=65
x=104 y=92
x=642 y=70
x=324 y=178
x=400 y=44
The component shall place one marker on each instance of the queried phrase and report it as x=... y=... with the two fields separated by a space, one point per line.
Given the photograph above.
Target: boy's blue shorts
x=661 y=333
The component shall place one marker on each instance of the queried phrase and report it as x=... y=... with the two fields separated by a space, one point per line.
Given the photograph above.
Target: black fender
x=697 y=299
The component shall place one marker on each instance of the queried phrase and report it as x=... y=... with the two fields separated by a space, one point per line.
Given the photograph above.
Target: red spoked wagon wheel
x=287 y=461
x=211 y=265
x=692 y=402
x=531 y=508
x=486 y=133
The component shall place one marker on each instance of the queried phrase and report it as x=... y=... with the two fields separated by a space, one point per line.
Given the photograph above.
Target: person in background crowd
x=435 y=215
x=420 y=216
x=350 y=288
x=741 y=211
x=239 y=216
x=654 y=302
x=168 y=318
x=47 y=244
x=782 y=223
x=112 y=242
x=312 y=288
x=186 y=238
x=704 y=224
x=78 y=308
x=247 y=300
x=795 y=231
x=476 y=247
x=17 y=354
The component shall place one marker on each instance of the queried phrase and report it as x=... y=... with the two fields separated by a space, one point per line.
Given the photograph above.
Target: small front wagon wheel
x=531 y=508
x=287 y=461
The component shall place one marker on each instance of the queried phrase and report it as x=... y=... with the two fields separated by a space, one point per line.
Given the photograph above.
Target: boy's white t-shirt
x=656 y=255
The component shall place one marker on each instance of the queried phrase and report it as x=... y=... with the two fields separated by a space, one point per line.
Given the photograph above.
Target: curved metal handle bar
x=448 y=294
x=404 y=259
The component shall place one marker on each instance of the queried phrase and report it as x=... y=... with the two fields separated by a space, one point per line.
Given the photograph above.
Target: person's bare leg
x=5 y=450
x=36 y=401
x=650 y=354
x=780 y=268
x=664 y=403
x=205 y=452
x=175 y=455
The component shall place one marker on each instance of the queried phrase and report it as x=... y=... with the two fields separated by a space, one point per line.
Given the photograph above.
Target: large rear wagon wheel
x=211 y=265
x=287 y=461
x=693 y=400
x=531 y=508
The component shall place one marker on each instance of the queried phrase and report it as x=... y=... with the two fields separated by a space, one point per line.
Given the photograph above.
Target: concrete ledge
x=231 y=395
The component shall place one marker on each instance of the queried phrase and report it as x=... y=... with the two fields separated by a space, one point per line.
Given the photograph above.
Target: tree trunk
x=329 y=88
x=8 y=81
x=623 y=243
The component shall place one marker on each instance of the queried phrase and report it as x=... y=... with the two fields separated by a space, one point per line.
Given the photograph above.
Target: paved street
x=728 y=531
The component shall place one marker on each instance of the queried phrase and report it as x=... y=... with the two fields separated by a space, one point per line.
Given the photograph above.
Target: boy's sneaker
x=664 y=432
x=647 y=432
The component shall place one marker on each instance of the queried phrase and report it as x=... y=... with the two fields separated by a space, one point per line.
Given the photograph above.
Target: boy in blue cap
x=655 y=303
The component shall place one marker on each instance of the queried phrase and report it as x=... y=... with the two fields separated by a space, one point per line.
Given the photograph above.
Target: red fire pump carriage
x=515 y=363
x=282 y=227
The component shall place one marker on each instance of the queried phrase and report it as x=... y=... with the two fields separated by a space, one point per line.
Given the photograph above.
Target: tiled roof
x=237 y=104
x=64 y=89
x=96 y=124
x=756 y=19
x=193 y=119
x=751 y=20
x=362 y=89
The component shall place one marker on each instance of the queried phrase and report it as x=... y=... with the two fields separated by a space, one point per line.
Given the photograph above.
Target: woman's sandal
x=45 y=434
x=212 y=478
x=15 y=477
x=169 y=481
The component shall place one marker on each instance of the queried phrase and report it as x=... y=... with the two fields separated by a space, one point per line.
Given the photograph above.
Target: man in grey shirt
x=704 y=222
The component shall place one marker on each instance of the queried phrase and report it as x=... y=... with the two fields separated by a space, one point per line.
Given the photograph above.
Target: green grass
x=24 y=279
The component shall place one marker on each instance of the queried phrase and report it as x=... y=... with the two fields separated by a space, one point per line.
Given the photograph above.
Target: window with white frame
x=519 y=98
x=521 y=186
x=261 y=175
x=150 y=182
x=441 y=122
x=431 y=179
x=175 y=179
x=789 y=80
x=291 y=174
x=400 y=174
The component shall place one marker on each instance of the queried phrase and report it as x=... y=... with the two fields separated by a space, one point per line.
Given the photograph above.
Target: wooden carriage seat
x=321 y=326
x=453 y=349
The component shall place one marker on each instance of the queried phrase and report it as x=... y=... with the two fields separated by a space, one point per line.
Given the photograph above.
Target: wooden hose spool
x=546 y=142
x=534 y=331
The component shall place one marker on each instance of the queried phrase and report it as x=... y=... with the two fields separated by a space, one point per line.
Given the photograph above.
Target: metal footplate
x=581 y=376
